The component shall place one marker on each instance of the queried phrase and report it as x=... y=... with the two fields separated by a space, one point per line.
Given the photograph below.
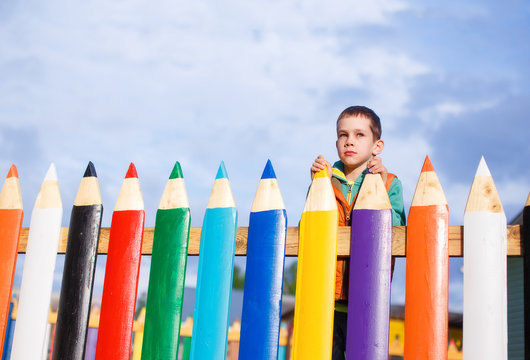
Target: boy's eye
x=360 y=134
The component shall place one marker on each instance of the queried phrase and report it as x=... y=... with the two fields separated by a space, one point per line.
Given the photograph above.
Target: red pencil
x=121 y=272
x=10 y=223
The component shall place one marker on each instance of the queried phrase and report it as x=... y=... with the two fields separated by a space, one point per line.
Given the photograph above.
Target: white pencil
x=37 y=277
x=485 y=294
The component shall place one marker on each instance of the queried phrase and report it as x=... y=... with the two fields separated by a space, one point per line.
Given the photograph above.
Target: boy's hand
x=320 y=164
x=375 y=166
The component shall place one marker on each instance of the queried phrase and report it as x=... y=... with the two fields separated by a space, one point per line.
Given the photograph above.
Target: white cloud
x=437 y=114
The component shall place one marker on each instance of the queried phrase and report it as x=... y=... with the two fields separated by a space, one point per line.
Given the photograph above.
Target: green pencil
x=168 y=269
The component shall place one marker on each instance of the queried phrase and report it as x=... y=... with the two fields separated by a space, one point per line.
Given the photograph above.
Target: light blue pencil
x=214 y=277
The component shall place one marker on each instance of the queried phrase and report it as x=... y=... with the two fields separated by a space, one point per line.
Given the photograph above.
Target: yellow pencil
x=315 y=280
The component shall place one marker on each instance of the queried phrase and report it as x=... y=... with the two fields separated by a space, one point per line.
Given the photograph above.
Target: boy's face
x=355 y=142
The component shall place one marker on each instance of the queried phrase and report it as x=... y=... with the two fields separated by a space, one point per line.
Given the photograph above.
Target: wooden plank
x=514 y=246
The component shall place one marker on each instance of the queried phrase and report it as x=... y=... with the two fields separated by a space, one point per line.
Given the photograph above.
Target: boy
x=358 y=143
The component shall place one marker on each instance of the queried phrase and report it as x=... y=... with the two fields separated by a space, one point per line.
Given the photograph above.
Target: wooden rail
x=398 y=243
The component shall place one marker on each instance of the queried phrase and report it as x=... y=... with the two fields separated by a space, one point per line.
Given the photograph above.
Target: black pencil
x=79 y=269
x=525 y=232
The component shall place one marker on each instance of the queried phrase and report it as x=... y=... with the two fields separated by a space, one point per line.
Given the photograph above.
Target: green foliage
x=238 y=281
x=289 y=279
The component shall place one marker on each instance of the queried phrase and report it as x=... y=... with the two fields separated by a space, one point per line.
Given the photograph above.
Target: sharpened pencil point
x=90 y=170
x=176 y=173
x=131 y=173
x=268 y=172
x=427 y=165
x=482 y=169
x=321 y=174
x=221 y=173
x=12 y=172
x=51 y=174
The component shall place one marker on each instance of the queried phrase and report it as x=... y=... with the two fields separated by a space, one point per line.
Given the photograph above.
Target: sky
x=154 y=82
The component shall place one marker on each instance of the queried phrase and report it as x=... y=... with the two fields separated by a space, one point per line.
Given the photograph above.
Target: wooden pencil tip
x=483 y=195
x=528 y=200
x=268 y=172
x=372 y=194
x=90 y=170
x=131 y=172
x=12 y=172
x=51 y=174
x=176 y=173
x=10 y=196
x=221 y=173
x=427 y=165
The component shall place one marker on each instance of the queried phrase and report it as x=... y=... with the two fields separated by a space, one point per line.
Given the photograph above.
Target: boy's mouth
x=349 y=153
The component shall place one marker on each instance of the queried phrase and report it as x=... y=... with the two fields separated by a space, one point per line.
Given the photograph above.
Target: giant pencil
x=260 y=319
x=121 y=272
x=37 y=277
x=79 y=269
x=427 y=270
x=214 y=276
x=6 y=354
x=168 y=270
x=10 y=222
x=485 y=287
x=526 y=243
x=370 y=272
x=315 y=278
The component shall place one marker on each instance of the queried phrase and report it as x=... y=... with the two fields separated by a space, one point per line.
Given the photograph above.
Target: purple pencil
x=370 y=272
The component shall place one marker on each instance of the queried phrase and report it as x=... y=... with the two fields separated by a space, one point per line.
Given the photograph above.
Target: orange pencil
x=11 y=215
x=427 y=270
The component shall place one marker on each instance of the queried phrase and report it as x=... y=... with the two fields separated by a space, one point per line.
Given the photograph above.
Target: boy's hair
x=375 y=122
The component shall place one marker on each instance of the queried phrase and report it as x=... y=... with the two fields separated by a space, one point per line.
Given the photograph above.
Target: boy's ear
x=378 y=147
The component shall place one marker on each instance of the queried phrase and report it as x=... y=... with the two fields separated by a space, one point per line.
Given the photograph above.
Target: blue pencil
x=9 y=333
x=262 y=300
x=214 y=276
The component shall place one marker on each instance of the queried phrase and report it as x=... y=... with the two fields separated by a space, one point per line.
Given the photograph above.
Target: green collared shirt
x=350 y=188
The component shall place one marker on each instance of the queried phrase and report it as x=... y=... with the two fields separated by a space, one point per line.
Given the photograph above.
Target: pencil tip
x=221 y=173
x=90 y=170
x=427 y=165
x=131 y=172
x=528 y=200
x=268 y=172
x=482 y=169
x=321 y=174
x=51 y=174
x=176 y=173
x=12 y=172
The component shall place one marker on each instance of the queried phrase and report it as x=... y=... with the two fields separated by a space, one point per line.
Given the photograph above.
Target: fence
x=426 y=244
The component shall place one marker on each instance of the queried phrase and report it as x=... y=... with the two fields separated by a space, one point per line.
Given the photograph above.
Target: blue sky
x=159 y=81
